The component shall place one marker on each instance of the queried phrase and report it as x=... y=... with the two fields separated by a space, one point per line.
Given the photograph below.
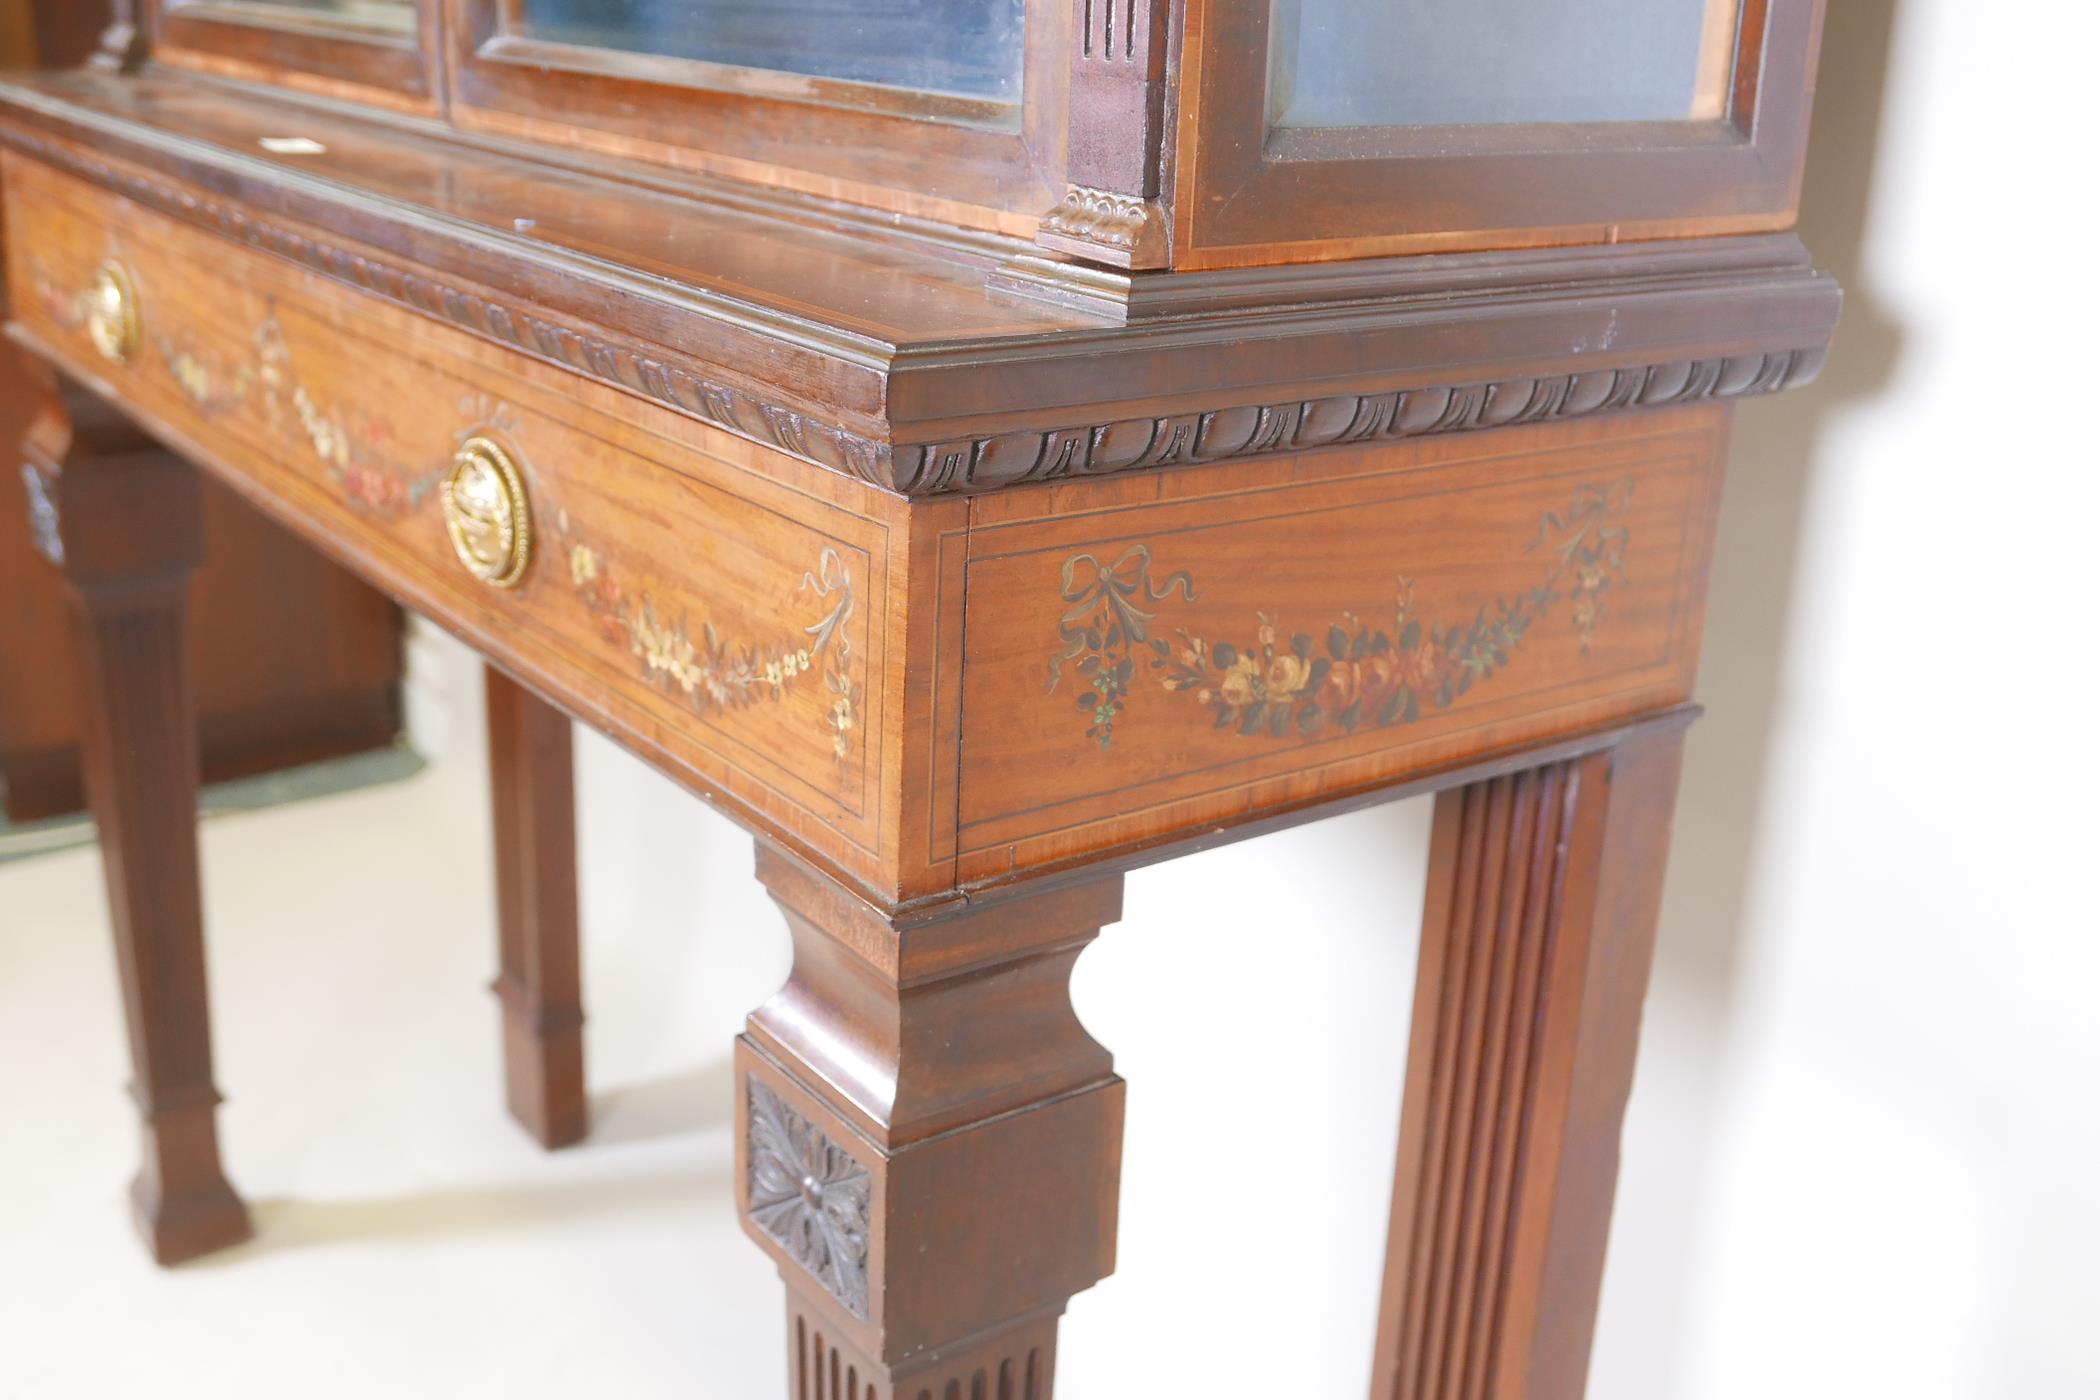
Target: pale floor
x=414 y=1243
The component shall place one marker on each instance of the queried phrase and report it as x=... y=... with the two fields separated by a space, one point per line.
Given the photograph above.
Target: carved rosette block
x=809 y=1195
x=912 y=1270
x=930 y=1143
x=1102 y=226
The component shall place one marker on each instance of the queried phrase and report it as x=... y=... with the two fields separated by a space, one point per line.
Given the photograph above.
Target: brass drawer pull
x=113 y=313
x=487 y=515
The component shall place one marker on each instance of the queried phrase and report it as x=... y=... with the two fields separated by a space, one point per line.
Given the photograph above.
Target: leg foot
x=194 y=1212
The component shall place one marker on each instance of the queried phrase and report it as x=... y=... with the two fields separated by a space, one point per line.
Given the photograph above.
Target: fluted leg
x=122 y=520
x=1536 y=945
x=532 y=787
x=929 y=1142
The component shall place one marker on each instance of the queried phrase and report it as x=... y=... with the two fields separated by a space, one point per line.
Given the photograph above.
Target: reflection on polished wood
x=976 y=509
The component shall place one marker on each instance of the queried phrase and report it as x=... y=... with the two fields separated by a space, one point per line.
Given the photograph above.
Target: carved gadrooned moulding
x=1135 y=444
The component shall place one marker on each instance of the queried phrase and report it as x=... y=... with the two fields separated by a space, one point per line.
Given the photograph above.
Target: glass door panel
x=964 y=48
x=1414 y=63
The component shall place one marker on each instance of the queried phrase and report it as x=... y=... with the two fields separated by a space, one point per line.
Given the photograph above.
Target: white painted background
x=1862 y=1159
x=1864 y=1154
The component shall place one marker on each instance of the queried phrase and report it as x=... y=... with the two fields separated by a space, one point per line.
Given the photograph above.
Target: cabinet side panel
x=1146 y=657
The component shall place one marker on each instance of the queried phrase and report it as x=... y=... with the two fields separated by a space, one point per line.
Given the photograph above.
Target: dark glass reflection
x=398 y=15
x=969 y=48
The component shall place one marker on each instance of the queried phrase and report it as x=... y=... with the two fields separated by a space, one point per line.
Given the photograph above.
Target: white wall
x=1862 y=1159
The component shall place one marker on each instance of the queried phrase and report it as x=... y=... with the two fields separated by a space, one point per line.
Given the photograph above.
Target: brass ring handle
x=113 y=313
x=487 y=515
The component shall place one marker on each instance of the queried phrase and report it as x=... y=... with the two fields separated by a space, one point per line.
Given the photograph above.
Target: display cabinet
x=983 y=446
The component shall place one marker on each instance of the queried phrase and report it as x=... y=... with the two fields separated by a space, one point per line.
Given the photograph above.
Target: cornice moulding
x=1378 y=350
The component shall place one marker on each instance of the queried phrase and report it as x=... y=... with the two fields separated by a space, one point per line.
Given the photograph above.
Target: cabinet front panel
x=1141 y=658
x=729 y=620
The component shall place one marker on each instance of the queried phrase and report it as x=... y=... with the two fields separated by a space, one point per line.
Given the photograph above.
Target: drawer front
x=1150 y=657
x=725 y=617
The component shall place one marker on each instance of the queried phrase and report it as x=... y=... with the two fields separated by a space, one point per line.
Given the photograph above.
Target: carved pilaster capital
x=123 y=46
x=1100 y=225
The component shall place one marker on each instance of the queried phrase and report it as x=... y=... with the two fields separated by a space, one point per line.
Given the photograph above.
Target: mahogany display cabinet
x=982 y=446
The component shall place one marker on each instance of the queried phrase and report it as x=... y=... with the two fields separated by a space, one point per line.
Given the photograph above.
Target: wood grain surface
x=1148 y=656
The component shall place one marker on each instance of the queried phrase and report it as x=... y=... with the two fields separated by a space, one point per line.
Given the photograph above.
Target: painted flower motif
x=1286 y=675
x=1378 y=676
x=1421 y=665
x=194 y=376
x=810 y=1196
x=68 y=309
x=1339 y=691
x=1105 y=622
x=710 y=672
x=1356 y=674
x=1242 y=682
x=841 y=713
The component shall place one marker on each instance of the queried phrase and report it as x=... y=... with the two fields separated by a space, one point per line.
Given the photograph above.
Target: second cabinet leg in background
x=533 y=789
x=1544 y=887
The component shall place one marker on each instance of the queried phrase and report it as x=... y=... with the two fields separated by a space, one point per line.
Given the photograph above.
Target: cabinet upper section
x=1134 y=133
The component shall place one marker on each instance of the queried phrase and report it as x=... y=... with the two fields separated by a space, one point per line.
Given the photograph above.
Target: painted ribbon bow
x=1098 y=593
